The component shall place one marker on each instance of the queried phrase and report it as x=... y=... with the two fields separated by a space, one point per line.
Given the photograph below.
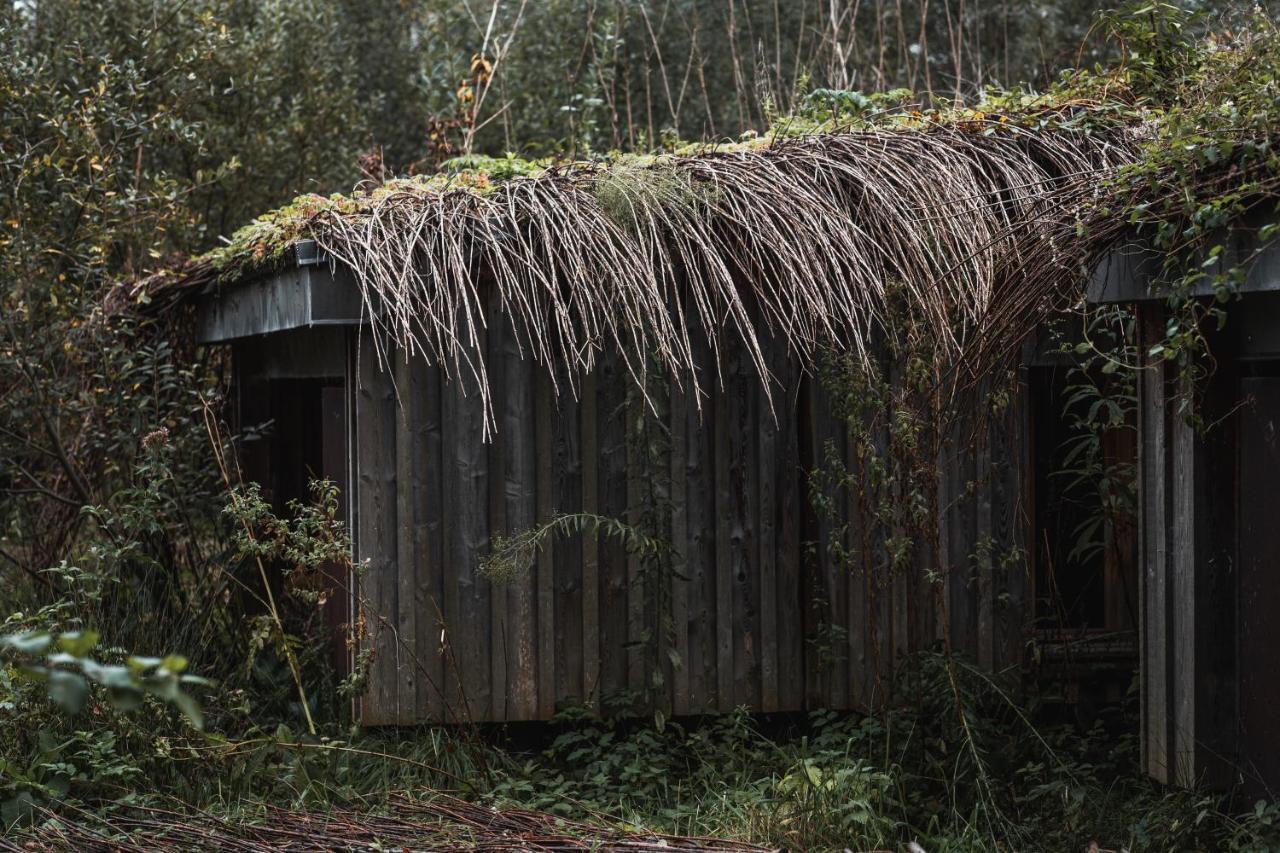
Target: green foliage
x=635 y=192
x=724 y=776
x=510 y=558
x=308 y=547
x=62 y=663
x=638 y=75
x=876 y=489
x=837 y=781
x=1101 y=400
x=502 y=168
x=309 y=534
x=81 y=752
x=119 y=733
x=130 y=131
x=1212 y=104
x=837 y=106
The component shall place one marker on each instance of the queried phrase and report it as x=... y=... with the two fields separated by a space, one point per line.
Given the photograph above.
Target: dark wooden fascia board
x=1128 y=273
x=312 y=292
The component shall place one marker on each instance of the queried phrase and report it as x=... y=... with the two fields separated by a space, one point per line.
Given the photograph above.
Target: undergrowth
x=824 y=780
x=846 y=781
x=956 y=759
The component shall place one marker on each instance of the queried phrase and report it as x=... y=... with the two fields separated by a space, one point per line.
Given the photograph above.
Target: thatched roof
x=964 y=227
x=809 y=236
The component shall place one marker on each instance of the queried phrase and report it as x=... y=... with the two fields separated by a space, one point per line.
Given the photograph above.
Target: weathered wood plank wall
x=1197 y=489
x=753 y=611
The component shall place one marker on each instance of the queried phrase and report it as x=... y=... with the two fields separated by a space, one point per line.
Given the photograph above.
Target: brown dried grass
x=809 y=235
x=437 y=822
x=965 y=233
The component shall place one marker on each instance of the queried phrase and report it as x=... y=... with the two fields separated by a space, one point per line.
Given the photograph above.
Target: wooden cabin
x=1209 y=537
x=753 y=611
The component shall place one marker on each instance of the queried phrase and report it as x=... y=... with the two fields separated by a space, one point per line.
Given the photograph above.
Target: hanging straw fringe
x=971 y=233
x=812 y=232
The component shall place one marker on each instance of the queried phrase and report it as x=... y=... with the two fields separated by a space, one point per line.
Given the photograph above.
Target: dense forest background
x=137 y=133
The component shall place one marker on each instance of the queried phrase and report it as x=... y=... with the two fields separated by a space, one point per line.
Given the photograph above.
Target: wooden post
x=376 y=540
x=1154 y=551
x=1181 y=590
x=408 y=536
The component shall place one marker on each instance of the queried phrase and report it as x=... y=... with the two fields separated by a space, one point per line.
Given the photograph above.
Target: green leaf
x=35 y=643
x=114 y=677
x=190 y=708
x=174 y=663
x=33 y=673
x=125 y=698
x=138 y=664
x=68 y=690
x=77 y=643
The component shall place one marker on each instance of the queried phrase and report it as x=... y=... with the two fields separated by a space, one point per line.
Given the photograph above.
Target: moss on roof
x=1185 y=94
x=265 y=241
x=986 y=216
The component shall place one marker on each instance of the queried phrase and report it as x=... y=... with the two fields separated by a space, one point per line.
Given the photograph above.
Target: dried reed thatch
x=816 y=240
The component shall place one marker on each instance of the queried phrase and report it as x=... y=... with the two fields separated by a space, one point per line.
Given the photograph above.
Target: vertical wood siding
x=752 y=611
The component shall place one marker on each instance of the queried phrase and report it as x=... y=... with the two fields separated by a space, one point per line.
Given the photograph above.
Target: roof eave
x=313 y=291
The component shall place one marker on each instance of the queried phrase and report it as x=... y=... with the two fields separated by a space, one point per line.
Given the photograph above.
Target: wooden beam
x=542 y=403
x=591 y=541
x=303 y=297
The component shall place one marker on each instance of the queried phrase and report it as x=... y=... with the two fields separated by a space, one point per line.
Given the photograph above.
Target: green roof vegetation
x=827 y=112
x=987 y=216
x=1198 y=104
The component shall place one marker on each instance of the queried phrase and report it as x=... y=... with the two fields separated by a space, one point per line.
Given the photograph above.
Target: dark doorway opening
x=1085 y=555
x=1084 y=552
x=294 y=432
